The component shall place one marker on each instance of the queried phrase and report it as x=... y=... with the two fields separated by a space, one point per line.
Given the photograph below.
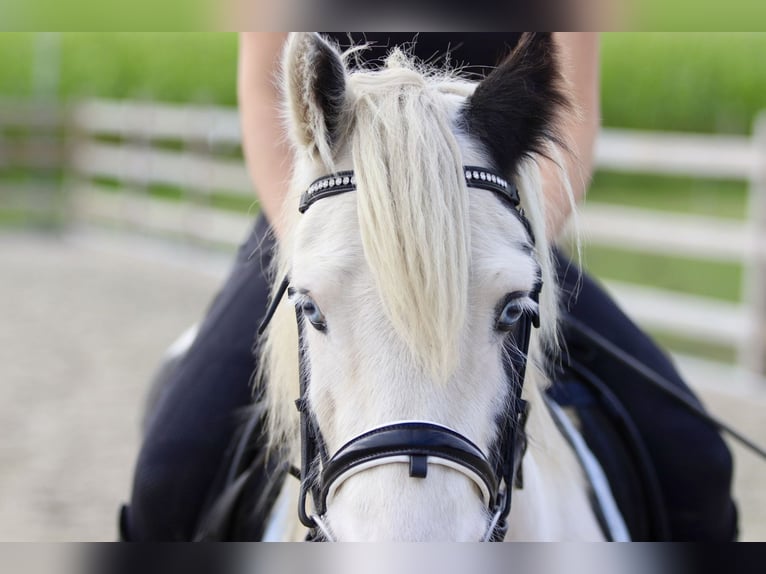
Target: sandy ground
x=82 y=331
x=82 y=327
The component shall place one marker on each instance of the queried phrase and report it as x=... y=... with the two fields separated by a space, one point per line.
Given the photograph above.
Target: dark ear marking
x=330 y=88
x=315 y=81
x=514 y=111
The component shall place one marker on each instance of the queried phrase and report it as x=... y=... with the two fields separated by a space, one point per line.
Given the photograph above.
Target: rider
x=199 y=408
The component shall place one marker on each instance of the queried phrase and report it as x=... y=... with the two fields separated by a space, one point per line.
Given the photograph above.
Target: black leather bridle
x=418 y=443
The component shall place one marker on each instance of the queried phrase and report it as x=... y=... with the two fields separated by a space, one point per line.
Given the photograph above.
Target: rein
x=416 y=443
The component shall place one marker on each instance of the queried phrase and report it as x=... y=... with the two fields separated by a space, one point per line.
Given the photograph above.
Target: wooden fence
x=172 y=170
x=123 y=152
x=743 y=325
x=31 y=159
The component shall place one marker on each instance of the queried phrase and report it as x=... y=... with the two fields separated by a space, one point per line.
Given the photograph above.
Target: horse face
x=363 y=373
x=403 y=286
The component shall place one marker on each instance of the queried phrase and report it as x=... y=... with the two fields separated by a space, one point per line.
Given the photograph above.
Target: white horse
x=406 y=289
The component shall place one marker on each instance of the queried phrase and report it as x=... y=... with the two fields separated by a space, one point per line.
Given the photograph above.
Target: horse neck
x=554 y=503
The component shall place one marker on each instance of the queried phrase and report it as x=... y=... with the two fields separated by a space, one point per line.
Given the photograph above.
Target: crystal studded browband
x=344 y=181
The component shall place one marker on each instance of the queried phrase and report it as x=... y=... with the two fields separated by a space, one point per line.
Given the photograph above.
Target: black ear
x=514 y=111
x=315 y=86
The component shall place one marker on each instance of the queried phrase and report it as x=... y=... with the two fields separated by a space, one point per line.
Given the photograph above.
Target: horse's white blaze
x=374 y=365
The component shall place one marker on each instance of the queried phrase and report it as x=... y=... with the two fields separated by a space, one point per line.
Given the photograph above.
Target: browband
x=344 y=181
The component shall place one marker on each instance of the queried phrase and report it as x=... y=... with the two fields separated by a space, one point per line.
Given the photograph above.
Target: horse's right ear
x=315 y=86
x=514 y=112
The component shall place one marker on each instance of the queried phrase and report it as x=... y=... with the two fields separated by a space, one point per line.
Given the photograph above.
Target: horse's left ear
x=315 y=86
x=514 y=110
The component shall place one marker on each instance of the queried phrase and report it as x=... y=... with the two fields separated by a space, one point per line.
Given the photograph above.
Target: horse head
x=409 y=292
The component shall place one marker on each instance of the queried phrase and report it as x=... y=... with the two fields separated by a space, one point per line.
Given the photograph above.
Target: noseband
x=418 y=443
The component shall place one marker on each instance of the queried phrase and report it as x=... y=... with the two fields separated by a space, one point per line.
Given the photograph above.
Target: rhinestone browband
x=344 y=181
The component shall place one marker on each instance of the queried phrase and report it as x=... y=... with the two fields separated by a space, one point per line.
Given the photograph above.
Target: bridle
x=417 y=443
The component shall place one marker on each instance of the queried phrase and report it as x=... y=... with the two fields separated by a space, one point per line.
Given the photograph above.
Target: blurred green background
x=692 y=82
x=698 y=82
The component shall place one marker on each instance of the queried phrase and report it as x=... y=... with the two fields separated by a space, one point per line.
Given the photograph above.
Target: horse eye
x=510 y=314
x=314 y=316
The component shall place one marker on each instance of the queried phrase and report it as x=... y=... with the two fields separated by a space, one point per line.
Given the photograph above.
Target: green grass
x=698 y=15
x=726 y=199
x=26 y=220
x=172 y=67
x=703 y=278
x=708 y=351
x=701 y=82
x=13 y=218
x=217 y=199
x=177 y=67
x=659 y=81
x=16 y=55
x=235 y=203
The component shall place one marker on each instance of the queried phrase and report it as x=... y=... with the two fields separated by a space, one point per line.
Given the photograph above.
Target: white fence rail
x=719 y=156
x=121 y=152
x=200 y=170
x=742 y=326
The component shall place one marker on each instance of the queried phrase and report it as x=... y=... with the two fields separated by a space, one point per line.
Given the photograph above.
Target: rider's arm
x=580 y=66
x=267 y=151
x=268 y=155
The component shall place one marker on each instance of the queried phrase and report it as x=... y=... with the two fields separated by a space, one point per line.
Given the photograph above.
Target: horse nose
x=386 y=504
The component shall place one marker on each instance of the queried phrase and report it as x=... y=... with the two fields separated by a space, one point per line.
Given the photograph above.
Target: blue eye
x=510 y=314
x=313 y=315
